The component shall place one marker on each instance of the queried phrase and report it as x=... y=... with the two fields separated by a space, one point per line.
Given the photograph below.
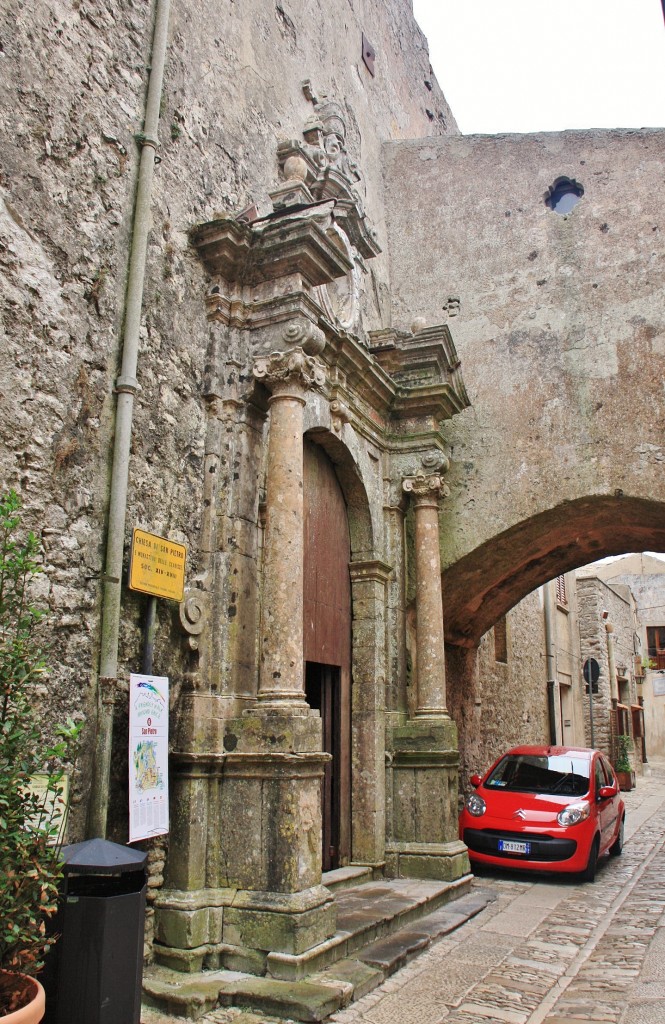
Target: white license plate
x=509 y=846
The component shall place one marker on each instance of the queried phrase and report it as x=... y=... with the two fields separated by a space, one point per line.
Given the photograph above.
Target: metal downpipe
x=550 y=658
x=126 y=388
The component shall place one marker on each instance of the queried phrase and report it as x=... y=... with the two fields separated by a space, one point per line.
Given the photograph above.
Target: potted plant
x=623 y=767
x=31 y=816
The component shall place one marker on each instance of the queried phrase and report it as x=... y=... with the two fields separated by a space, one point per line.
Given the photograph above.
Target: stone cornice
x=370 y=570
x=270 y=249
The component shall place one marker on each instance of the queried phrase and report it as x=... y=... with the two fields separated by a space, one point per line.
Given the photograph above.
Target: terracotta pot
x=626 y=781
x=33 y=1011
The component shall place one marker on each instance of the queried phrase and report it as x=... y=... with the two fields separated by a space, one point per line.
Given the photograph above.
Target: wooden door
x=327 y=640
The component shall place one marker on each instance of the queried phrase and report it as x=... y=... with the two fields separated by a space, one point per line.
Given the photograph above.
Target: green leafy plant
x=31 y=816
x=623 y=760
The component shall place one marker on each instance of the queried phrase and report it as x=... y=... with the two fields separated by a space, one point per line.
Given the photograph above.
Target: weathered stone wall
x=645 y=576
x=594 y=597
x=72 y=84
x=559 y=460
x=499 y=705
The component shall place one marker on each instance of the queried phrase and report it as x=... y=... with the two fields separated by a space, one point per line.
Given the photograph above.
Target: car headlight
x=475 y=805
x=574 y=814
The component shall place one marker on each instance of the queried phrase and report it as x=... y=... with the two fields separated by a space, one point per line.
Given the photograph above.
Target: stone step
x=345 y=878
x=321 y=993
x=366 y=913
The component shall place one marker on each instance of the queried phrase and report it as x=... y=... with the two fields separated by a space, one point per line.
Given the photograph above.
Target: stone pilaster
x=369 y=580
x=430 y=659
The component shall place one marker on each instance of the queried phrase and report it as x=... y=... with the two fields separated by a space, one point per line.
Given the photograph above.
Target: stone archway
x=491 y=579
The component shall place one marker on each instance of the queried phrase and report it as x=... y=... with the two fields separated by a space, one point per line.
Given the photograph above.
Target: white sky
x=542 y=65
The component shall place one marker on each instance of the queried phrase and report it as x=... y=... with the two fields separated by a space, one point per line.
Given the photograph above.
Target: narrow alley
x=544 y=951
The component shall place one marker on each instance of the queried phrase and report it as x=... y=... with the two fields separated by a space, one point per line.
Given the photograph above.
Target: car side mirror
x=475 y=780
x=605 y=792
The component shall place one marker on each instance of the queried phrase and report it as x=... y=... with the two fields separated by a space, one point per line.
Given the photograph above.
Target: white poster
x=148 y=756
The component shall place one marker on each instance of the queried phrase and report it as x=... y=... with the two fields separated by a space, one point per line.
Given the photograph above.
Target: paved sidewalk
x=547 y=951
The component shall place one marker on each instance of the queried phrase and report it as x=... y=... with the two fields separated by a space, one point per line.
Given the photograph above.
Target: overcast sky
x=538 y=65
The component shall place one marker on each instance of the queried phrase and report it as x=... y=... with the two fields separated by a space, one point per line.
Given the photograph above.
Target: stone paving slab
x=586 y=954
x=574 y=954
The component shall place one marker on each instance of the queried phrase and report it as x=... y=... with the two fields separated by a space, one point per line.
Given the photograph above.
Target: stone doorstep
x=321 y=993
x=344 y=878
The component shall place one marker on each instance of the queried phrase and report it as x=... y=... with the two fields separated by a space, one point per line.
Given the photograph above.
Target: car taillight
x=574 y=814
x=475 y=805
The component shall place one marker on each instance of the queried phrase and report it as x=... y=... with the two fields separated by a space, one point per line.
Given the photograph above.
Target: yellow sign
x=157 y=566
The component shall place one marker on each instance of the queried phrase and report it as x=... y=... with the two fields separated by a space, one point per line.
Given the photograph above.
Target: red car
x=547 y=809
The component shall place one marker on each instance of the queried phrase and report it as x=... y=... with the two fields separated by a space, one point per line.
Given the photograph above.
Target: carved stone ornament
x=193 y=615
x=427 y=488
x=321 y=165
x=435 y=461
x=304 y=334
x=289 y=368
x=340 y=414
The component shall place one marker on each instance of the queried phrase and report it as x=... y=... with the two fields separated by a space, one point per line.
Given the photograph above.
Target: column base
x=238 y=929
x=437 y=861
x=423 y=784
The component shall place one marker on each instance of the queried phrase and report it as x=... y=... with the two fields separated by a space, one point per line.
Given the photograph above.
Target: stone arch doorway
x=327 y=641
x=362 y=702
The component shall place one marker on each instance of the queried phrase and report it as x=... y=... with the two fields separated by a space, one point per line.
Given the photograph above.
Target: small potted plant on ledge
x=31 y=815
x=623 y=768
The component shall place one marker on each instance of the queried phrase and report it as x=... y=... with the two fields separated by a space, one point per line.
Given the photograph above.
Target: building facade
x=246 y=260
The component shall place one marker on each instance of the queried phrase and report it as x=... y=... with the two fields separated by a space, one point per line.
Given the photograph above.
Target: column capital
x=426 y=489
x=289 y=372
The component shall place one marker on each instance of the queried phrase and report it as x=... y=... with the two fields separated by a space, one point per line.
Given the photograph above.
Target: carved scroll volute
x=426 y=488
x=427 y=483
x=193 y=615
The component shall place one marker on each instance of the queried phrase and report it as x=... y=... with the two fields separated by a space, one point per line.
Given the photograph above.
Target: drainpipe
x=550 y=658
x=126 y=388
x=614 y=691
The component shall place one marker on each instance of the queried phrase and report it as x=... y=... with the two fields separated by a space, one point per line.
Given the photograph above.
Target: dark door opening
x=322 y=690
x=327 y=641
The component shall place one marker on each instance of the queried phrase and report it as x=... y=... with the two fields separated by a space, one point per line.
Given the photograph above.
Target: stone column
x=288 y=375
x=431 y=670
x=424 y=755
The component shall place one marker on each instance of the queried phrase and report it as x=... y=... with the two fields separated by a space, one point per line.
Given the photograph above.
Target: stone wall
x=645 y=576
x=594 y=598
x=555 y=319
x=72 y=81
x=498 y=705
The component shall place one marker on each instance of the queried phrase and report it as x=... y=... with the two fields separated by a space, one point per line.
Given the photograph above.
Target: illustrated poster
x=148 y=756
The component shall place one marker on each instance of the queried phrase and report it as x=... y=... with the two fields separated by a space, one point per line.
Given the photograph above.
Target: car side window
x=600 y=775
x=609 y=774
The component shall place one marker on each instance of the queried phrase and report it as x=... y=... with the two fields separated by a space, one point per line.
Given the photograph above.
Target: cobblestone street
x=545 y=951
x=550 y=952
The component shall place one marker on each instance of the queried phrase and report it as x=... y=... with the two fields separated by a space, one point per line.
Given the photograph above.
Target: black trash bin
x=94 y=973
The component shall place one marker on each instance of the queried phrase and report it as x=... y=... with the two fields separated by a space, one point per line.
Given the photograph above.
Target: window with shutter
x=561 y=595
x=656 y=645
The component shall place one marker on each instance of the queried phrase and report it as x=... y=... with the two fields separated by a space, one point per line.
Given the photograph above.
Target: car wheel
x=617 y=845
x=589 y=873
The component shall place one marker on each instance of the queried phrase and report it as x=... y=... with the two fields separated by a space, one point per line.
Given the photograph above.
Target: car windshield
x=563 y=774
